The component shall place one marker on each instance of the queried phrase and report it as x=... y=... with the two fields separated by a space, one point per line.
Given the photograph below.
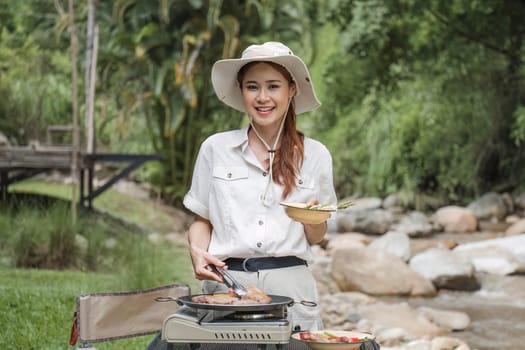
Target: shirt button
x=259 y=244
x=261 y=222
x=265 y=173
x=301 y=182
x=229 y=175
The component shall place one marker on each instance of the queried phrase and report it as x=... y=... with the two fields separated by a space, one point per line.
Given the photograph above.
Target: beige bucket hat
x=224 y=75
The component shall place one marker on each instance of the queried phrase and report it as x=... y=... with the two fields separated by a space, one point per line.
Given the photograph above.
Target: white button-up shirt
x=227 y=186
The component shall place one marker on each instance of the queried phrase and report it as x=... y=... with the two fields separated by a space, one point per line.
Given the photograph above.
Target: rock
x=516 y=228
x=391 y=201
x=341 y=308
x=376 y=272
x=396 y=243
x=445 y=269
x=415 y=224
x=376 y=221
x=401 y=316
x=452 y=320
x=447 y=343
x=509 y=251
x=419 y=344
x=347 y=240
x=321 y=270
x=390 y=336
x=420 y=245
x=519 y=201
x=455 y=219
x=491 y=205
x=4 y=141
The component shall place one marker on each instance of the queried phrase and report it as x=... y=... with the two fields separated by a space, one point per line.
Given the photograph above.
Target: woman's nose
x=262 y=95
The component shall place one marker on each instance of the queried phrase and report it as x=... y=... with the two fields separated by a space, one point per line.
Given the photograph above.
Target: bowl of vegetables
x=311 y=214
x=333 y=339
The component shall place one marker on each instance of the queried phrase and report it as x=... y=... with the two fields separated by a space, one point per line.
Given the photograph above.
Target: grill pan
x=277 y=301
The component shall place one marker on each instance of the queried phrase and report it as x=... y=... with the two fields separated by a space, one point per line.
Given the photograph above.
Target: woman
x=241 y=176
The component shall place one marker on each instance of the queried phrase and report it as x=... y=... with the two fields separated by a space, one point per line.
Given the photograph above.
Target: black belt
x=256 y=264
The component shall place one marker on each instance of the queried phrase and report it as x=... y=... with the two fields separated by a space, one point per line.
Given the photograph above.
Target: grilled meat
x=254 y=296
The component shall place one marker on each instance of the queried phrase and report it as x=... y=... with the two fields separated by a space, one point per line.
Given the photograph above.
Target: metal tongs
x=237 y=288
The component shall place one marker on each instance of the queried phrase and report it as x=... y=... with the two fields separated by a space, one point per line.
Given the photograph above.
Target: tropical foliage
x=419 y=97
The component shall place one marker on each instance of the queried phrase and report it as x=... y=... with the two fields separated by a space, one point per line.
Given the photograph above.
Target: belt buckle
x=244 y=267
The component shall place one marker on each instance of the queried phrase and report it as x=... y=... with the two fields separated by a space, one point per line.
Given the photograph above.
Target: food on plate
x=329 y=337
x=330 y=207
x=254 y=296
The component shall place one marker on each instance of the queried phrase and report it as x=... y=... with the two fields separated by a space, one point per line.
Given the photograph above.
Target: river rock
x=452 y=320
x=342 y=308
x=4 y=141
x=448 y=343
x=376 y=272
x=401 y=316
x=445 y=269
x=321 y=271
x=375 y=222
x=397 y=243
x=516 y=228
x=506 y=253
x=492 y=206
x=519 y=201
x=347 y=240
x=415 y=224
x=455 y=219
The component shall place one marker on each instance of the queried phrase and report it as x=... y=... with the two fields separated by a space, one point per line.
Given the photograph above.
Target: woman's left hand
x=314 y=232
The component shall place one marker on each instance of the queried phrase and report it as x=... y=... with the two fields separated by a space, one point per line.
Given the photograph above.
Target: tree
x=430 y=91
x=158 y=57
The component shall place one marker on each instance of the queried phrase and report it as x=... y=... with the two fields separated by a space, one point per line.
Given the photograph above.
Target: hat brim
x=224 y=80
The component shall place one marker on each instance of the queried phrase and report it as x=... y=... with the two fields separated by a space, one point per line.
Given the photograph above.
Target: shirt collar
x=240 y=138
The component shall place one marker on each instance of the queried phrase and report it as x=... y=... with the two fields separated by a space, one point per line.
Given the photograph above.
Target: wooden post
x=90 y=75
x=74 y=100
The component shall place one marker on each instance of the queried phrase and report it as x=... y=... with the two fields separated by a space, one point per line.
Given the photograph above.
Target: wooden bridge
x=18 y=163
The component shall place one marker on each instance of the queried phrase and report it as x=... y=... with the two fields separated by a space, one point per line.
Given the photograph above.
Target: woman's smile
x=266 y=94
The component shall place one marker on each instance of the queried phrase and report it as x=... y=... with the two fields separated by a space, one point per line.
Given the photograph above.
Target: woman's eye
x=251 y=87
x=274 y=86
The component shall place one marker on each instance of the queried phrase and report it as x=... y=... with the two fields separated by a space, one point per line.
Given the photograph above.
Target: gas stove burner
x=252 y=316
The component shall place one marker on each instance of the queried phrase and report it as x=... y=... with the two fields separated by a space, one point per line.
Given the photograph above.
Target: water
x=497 y=312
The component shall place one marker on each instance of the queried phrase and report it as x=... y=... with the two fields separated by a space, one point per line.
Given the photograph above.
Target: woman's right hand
x=201 y=259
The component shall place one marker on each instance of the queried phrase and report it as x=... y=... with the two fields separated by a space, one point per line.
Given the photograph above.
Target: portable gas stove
x=192 y=325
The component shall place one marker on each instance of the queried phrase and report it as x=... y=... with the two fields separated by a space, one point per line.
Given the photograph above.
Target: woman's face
x=266 y=93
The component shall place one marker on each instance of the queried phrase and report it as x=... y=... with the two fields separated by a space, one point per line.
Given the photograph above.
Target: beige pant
x=295 y=282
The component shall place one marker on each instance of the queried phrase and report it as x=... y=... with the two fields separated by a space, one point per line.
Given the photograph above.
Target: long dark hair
x=290 y=155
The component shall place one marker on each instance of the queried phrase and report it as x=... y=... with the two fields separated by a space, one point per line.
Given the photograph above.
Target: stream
x=497 y=311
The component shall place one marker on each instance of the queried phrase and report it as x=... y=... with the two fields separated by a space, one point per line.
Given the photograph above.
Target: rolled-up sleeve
x=326 y=181
x=197 y=198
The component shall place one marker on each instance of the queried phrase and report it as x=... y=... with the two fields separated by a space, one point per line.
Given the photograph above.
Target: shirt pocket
x=231 y=173
x=305 y=183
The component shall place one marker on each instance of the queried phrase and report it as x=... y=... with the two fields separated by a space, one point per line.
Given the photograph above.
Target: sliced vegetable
x=328 y=206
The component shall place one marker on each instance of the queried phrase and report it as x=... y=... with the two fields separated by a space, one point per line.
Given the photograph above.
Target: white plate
x=332 y=345
x=299 y=212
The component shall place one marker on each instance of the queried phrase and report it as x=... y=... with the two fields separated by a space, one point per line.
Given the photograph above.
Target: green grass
x=36 y=305
x=134 y=210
